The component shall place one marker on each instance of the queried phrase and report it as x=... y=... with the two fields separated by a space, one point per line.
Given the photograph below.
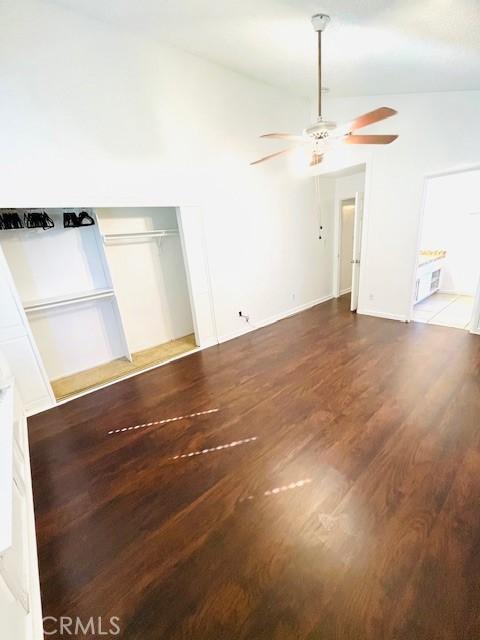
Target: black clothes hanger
x=11 y=221
x=47 y=221
x=83 y=219
x=38 y=220
x=69 y=219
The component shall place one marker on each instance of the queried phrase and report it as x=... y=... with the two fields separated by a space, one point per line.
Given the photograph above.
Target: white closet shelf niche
x=124 y=295
x=64 y=286
x=144 y=253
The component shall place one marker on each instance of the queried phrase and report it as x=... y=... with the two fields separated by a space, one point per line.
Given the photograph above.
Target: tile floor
x=446 y=309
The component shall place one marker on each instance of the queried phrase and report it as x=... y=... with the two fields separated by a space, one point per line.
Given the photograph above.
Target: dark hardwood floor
x=346 y=507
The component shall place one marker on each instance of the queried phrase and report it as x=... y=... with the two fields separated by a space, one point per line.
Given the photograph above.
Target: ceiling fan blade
x=373 y=116
x=286 y=136
x=316 y=159
x=273 y=155
x=368 y=118
x=369 y=139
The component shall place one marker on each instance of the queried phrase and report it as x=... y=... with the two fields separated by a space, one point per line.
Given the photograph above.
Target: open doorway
x=448 y=261
x=341 y=206
x=348 y=187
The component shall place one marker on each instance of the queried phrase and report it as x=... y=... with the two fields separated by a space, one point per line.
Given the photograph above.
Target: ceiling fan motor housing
x=320 y=129
x=320 y=21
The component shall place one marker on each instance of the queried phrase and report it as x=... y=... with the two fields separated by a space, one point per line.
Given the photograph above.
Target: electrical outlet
x=294 y=296
x=371 y=296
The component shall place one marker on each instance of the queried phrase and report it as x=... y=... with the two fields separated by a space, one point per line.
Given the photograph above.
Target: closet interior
x=104 y=290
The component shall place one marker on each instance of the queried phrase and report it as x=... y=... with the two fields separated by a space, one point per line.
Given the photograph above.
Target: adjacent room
x=448 y=271
x=239 y=320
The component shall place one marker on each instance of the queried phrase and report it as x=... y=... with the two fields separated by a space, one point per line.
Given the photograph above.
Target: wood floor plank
x=346 y=507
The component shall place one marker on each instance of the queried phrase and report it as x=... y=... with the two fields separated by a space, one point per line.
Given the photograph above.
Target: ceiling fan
x=323 y=132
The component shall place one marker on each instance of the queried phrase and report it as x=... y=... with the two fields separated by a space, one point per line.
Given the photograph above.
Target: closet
x=104 y=299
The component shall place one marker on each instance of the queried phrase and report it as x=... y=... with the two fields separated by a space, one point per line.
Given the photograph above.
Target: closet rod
x=62 y=301
x=158 y=233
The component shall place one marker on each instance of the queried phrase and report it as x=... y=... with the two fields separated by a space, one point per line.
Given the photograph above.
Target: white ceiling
x=370 y=47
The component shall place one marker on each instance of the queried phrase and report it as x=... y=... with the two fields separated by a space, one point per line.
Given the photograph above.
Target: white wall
x=452 y=222
x=99 y=117
x=437 y=132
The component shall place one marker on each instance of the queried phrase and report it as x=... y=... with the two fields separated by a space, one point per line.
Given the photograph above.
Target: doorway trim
x=364 y=166
x=475 y=320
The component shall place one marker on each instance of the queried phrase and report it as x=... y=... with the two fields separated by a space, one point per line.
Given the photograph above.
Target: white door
x=357 y=242
x=347 y=219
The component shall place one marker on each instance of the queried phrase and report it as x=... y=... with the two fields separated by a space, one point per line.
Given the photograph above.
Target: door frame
x=339 y=204
x=475 y=319
x=191 y=229
x=337 y=169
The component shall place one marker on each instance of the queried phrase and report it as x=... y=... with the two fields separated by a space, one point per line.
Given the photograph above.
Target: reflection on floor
x=445 y=309
x=78 y=382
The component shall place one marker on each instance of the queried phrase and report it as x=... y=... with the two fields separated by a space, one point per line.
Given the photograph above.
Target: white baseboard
x=456 y=293
x=38 y=406
x=211 y=342
x=344 y=291
x=258 y=324
x=382 y=314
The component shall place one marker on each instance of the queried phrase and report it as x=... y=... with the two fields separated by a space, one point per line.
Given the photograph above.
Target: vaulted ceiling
x=370 y=47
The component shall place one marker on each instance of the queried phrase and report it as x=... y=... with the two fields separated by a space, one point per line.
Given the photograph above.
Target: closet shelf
x=62 y=301
x=157 y=233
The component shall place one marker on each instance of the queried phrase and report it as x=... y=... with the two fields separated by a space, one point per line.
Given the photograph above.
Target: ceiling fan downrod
x=319 y=22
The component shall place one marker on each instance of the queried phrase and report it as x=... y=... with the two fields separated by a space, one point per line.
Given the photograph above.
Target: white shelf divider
x=61 y=301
